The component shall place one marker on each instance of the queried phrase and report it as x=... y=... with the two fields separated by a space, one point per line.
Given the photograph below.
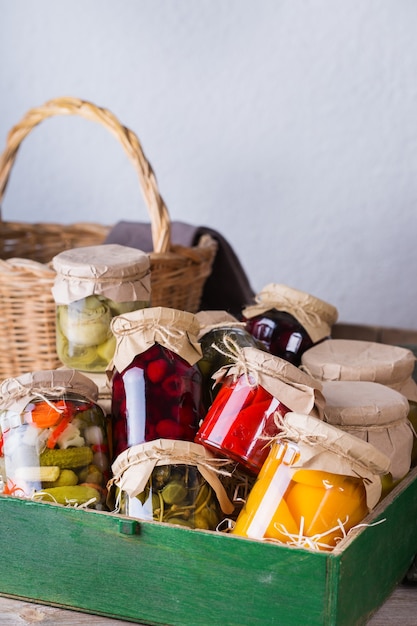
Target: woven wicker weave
x=27 y=330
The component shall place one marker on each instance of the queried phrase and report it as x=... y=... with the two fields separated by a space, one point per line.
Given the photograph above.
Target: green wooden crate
x=154 y=573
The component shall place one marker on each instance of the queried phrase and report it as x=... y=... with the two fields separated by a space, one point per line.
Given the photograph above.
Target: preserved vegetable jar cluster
x=288 y=321
x=54 y=438
x=94 y=284
x=156 y=382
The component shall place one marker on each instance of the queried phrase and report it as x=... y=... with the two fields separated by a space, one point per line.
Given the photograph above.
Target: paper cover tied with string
x=315 y=315
x=176 y=482
x=317 y=483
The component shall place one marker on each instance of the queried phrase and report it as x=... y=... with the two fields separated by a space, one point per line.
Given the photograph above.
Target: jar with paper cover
x=375 y=413
x=155 y=380
x=94 y=284
x=288 y=321
x=350 y=359
x=219 y=331
x=316 y=484
x=255 y=388
x=54 y=438
x=170 y=481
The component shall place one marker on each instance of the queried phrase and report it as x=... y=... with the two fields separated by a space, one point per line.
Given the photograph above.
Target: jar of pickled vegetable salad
x=156 y=382
x=94 y=284
x=315 y=485
x=55 y=442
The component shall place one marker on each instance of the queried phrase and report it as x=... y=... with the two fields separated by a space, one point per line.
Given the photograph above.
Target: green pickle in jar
x=93 y=285
x=152 y=485
x=54 y=439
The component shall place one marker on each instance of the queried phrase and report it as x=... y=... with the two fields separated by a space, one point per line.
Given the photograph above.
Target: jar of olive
x=94 y=284
x=171 y=481
x=54 y=438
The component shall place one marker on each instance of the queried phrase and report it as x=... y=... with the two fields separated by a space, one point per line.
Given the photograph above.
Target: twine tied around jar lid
x=133 y=467
x=328 y=448
x=117 y=272
x=283 y=380
x=137 y=331
x=17 y=392
x=214 y=320
x=315 y=315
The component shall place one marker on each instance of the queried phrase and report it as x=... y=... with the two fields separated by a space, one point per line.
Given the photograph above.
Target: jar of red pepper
x=156 y=383
x=54 y=438
x=254 y=390
x=288 y=321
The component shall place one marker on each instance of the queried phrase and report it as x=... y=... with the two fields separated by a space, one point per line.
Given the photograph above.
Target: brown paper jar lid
x=315 y=315
x=346 y=359
x=137 y=331
x=18 y=391
x=375 y=413
x=118 y=272
x=211 y=320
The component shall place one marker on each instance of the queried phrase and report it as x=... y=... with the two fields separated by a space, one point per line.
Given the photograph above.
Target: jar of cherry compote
x=315 y=485
x=288 y=321
x=93 y=285
x=256 y=391
x=173 y=482
x=218 y=330
x=54 y=438
x=156 y=383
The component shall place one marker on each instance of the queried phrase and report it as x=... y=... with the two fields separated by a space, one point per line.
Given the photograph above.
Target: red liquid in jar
x=239 y=423
x=158 y=396
x=281 y=335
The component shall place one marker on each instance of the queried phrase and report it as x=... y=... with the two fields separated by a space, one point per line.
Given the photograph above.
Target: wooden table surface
x=400 y=608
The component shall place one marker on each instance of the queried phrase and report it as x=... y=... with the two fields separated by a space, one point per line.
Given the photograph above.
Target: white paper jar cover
x=375 y=413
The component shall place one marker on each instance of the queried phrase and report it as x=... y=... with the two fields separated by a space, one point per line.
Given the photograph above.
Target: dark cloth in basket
x=227 y=288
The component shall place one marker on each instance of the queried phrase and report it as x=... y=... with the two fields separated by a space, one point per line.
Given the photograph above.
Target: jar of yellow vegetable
x=54 y=439
x=93 y=285
x=316 y=484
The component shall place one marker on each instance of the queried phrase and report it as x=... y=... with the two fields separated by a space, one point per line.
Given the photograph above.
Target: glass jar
x=350 y=359
x=156 y=383
x=288 y=321
x=255 y=391
x=93 y=285
x=54 y=438
x=219 y=333
x=315 y=485
x=173 y=482
x=375 y=413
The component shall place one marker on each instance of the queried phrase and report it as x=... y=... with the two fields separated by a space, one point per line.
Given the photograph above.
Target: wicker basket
x=27 y=330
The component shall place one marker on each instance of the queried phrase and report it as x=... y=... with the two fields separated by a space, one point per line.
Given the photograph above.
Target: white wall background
x=288 y=125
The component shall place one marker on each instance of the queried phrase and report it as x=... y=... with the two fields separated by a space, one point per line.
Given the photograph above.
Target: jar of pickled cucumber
x=173 y=482
x=54 y=435
x=94 y=284
x=354 y=360
x=316 y=484
x=254 y=390
x=218 y=331
x=288 y=321
x=155 y=380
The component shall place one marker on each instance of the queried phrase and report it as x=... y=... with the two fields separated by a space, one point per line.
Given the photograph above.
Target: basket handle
x=158 y=212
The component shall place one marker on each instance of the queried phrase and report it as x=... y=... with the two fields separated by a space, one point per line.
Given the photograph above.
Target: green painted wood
x=377 y=559
x=163 y=575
